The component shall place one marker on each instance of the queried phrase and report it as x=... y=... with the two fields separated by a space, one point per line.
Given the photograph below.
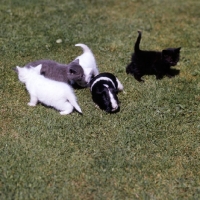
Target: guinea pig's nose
x=113 y=109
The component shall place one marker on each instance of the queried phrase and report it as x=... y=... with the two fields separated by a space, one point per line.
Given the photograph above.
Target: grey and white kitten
x=69 y=73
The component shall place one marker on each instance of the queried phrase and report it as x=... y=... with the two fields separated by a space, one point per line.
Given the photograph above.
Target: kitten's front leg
x=33 y=101
x=169 y=74
x=159 y=76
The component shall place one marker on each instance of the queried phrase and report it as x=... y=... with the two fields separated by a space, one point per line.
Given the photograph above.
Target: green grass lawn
x=149 y=150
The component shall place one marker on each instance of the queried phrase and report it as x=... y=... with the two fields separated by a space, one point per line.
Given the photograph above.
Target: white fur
x=104 y=79
x=87 y=62
x=52 y=93
x=113 y=102
x=120 y=86
x=112 y=99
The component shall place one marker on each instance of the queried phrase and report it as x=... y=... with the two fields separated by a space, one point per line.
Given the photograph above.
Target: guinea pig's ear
x=99 y=91
x=113 y=90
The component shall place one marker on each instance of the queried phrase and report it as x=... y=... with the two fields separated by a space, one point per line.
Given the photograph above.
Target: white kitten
x=52 y=93
x=88 y=63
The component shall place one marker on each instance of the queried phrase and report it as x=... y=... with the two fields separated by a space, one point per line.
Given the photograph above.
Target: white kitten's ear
x=77 y=61
x=16 y=69
x=37 y=68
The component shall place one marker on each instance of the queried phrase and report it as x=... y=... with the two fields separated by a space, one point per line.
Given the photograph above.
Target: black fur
x=152 y=62
x=100 y=93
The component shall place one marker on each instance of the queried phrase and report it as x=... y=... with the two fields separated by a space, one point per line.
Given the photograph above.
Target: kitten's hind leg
x=129 y=69
x=33 y=101
x=66 y=108
x=138 y=77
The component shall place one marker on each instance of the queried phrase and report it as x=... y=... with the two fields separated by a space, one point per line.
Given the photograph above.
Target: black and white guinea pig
x=104 y=89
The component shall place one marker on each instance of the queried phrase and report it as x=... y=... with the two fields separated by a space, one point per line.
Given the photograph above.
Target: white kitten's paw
x=31 y=104
x=65 y=112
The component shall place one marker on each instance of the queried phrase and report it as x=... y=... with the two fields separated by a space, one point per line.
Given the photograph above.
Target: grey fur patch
x=67 y=73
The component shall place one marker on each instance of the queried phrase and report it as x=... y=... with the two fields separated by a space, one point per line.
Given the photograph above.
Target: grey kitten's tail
x=84 y=47
x=72 y=100
x=137 y=44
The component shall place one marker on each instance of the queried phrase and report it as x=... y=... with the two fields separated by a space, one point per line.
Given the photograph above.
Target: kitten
x=68 y=73
x=49 y=92
x=152 y=62
x=88 y=63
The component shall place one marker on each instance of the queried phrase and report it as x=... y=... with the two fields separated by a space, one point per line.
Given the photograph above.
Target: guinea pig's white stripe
x=102 y=79
x=120 y=86
x=113 y=101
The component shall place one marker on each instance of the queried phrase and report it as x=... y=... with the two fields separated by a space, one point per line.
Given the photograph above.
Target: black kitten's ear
x=165 y=51
x=178 y=49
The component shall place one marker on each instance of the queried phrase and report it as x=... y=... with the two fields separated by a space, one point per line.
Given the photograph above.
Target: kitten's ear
x=178 y=49
x=38 y=68
x=165 y=51
x=16 y=69
x=77 y=61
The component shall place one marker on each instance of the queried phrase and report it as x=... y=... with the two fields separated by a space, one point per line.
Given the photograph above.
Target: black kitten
x=152 y=62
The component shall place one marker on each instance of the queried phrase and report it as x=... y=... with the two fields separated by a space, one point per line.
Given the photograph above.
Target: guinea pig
x=104 y=89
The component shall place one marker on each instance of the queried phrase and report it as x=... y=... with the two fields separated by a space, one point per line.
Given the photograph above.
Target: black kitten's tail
x=137 y=44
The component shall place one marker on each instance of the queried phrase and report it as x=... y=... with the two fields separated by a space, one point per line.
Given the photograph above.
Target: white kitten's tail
x=84 y=47
x=72 y=100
